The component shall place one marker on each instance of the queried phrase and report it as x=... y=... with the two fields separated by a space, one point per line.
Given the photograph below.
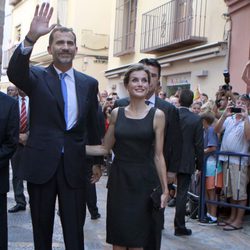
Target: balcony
x=176 y=24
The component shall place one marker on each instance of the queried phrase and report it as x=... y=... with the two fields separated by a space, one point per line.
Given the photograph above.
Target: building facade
x=239 y=15
x=90 y=23
x=188 y=37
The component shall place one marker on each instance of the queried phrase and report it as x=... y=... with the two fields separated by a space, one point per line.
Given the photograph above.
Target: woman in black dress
x=135 y=135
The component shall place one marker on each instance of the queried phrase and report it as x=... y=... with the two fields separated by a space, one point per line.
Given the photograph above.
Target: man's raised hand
x=40 y=23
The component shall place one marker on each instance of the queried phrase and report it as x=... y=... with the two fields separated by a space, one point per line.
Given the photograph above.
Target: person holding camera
x=236 y=126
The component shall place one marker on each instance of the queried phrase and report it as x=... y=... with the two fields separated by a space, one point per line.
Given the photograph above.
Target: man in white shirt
x=236 y=138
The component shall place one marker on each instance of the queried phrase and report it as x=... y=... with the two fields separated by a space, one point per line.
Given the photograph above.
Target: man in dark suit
x=63 y=106
x=17 y=183
x=9 y=125
x=191 y=157
x=172 y=142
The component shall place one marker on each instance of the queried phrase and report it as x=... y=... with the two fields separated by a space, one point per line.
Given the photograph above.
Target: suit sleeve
x=199 y=145
x=9 y=143
x=93 y=126
x=19 y=70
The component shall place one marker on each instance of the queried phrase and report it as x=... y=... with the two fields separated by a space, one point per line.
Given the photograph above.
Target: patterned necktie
x=65 y=95
x=23 y=117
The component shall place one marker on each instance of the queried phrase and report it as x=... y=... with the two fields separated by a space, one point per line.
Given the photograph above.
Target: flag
x=197 y=94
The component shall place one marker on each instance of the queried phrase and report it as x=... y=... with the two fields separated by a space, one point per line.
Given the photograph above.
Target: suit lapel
x=54 y=85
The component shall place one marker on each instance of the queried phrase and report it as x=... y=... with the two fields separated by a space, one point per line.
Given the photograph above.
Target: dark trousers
x=3 y=222
x=183 y=182
x=154 y=241
x=16 y=182
x=91 y=197
x=71 y=207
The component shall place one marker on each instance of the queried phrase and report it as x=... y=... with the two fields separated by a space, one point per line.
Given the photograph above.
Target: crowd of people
x=57 y=128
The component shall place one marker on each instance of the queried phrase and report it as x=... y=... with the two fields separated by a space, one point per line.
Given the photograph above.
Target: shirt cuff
x=25 y=50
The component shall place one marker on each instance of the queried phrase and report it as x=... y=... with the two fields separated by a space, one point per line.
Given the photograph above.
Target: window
x=18 y=33
x=124 y=39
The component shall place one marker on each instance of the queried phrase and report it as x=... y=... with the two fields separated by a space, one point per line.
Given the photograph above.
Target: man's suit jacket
x=9 y=131
x=192 y=147
x=48 y=134
x=172 y=142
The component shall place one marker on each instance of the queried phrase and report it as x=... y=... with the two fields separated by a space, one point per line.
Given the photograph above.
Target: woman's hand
x=164 y=199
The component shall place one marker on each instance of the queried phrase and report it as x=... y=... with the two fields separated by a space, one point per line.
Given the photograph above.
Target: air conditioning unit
x=201 y=73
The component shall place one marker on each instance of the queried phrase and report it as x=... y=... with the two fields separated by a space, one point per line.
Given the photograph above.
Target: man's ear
x=49 y=50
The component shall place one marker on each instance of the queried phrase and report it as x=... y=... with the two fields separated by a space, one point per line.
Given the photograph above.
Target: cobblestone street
x=204 y=237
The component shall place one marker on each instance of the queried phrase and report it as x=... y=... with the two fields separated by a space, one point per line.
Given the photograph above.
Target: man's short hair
x=186 y=97
x=60 y=29
x=151 y=62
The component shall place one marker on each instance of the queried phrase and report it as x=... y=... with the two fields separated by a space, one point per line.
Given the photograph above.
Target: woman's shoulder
x=159 y=113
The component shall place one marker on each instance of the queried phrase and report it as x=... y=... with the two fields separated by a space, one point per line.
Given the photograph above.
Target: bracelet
x=29 y=40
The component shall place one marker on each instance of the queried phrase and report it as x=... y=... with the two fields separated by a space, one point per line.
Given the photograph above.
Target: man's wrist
x=29 y=40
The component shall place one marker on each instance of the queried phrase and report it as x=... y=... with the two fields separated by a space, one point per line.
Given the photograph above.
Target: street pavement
x=204 y=237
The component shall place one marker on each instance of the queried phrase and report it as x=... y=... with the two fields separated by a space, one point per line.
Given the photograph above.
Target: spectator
x=196 y=107
x=107 y=114
x=162 y=94
x=208 y=106
x=12 y=91
x=236 y=127
x=174 y=100
x=204 y=98
x=18 y=187
x=220 y=104
x=214 y=175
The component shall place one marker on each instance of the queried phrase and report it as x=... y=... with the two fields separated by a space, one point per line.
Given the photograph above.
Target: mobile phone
x=235 y=110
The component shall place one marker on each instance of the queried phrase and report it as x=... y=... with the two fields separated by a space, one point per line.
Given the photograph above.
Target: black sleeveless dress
x=131 y=180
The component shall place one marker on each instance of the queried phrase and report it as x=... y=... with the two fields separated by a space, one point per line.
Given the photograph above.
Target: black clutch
x=156 y=197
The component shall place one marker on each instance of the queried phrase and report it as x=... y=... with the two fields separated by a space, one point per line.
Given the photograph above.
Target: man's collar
x=70 y=72
x=182 y=107
x=152 y=99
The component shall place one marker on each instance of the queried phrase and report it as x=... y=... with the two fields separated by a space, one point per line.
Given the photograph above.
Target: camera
x=226 y=77
x=235 y=110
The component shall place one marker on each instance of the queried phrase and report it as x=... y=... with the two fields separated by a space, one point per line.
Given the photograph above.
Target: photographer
x=235 y=122
x=224 y=96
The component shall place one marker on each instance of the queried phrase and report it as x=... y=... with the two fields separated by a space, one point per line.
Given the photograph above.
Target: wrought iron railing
x=174 y=24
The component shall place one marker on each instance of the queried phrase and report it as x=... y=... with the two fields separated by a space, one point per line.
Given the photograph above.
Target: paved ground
x=204 y=237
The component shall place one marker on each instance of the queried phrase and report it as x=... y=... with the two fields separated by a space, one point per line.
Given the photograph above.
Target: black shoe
x=17 y=208
x=172 y=202
x=95 y=216
x=182 y=232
